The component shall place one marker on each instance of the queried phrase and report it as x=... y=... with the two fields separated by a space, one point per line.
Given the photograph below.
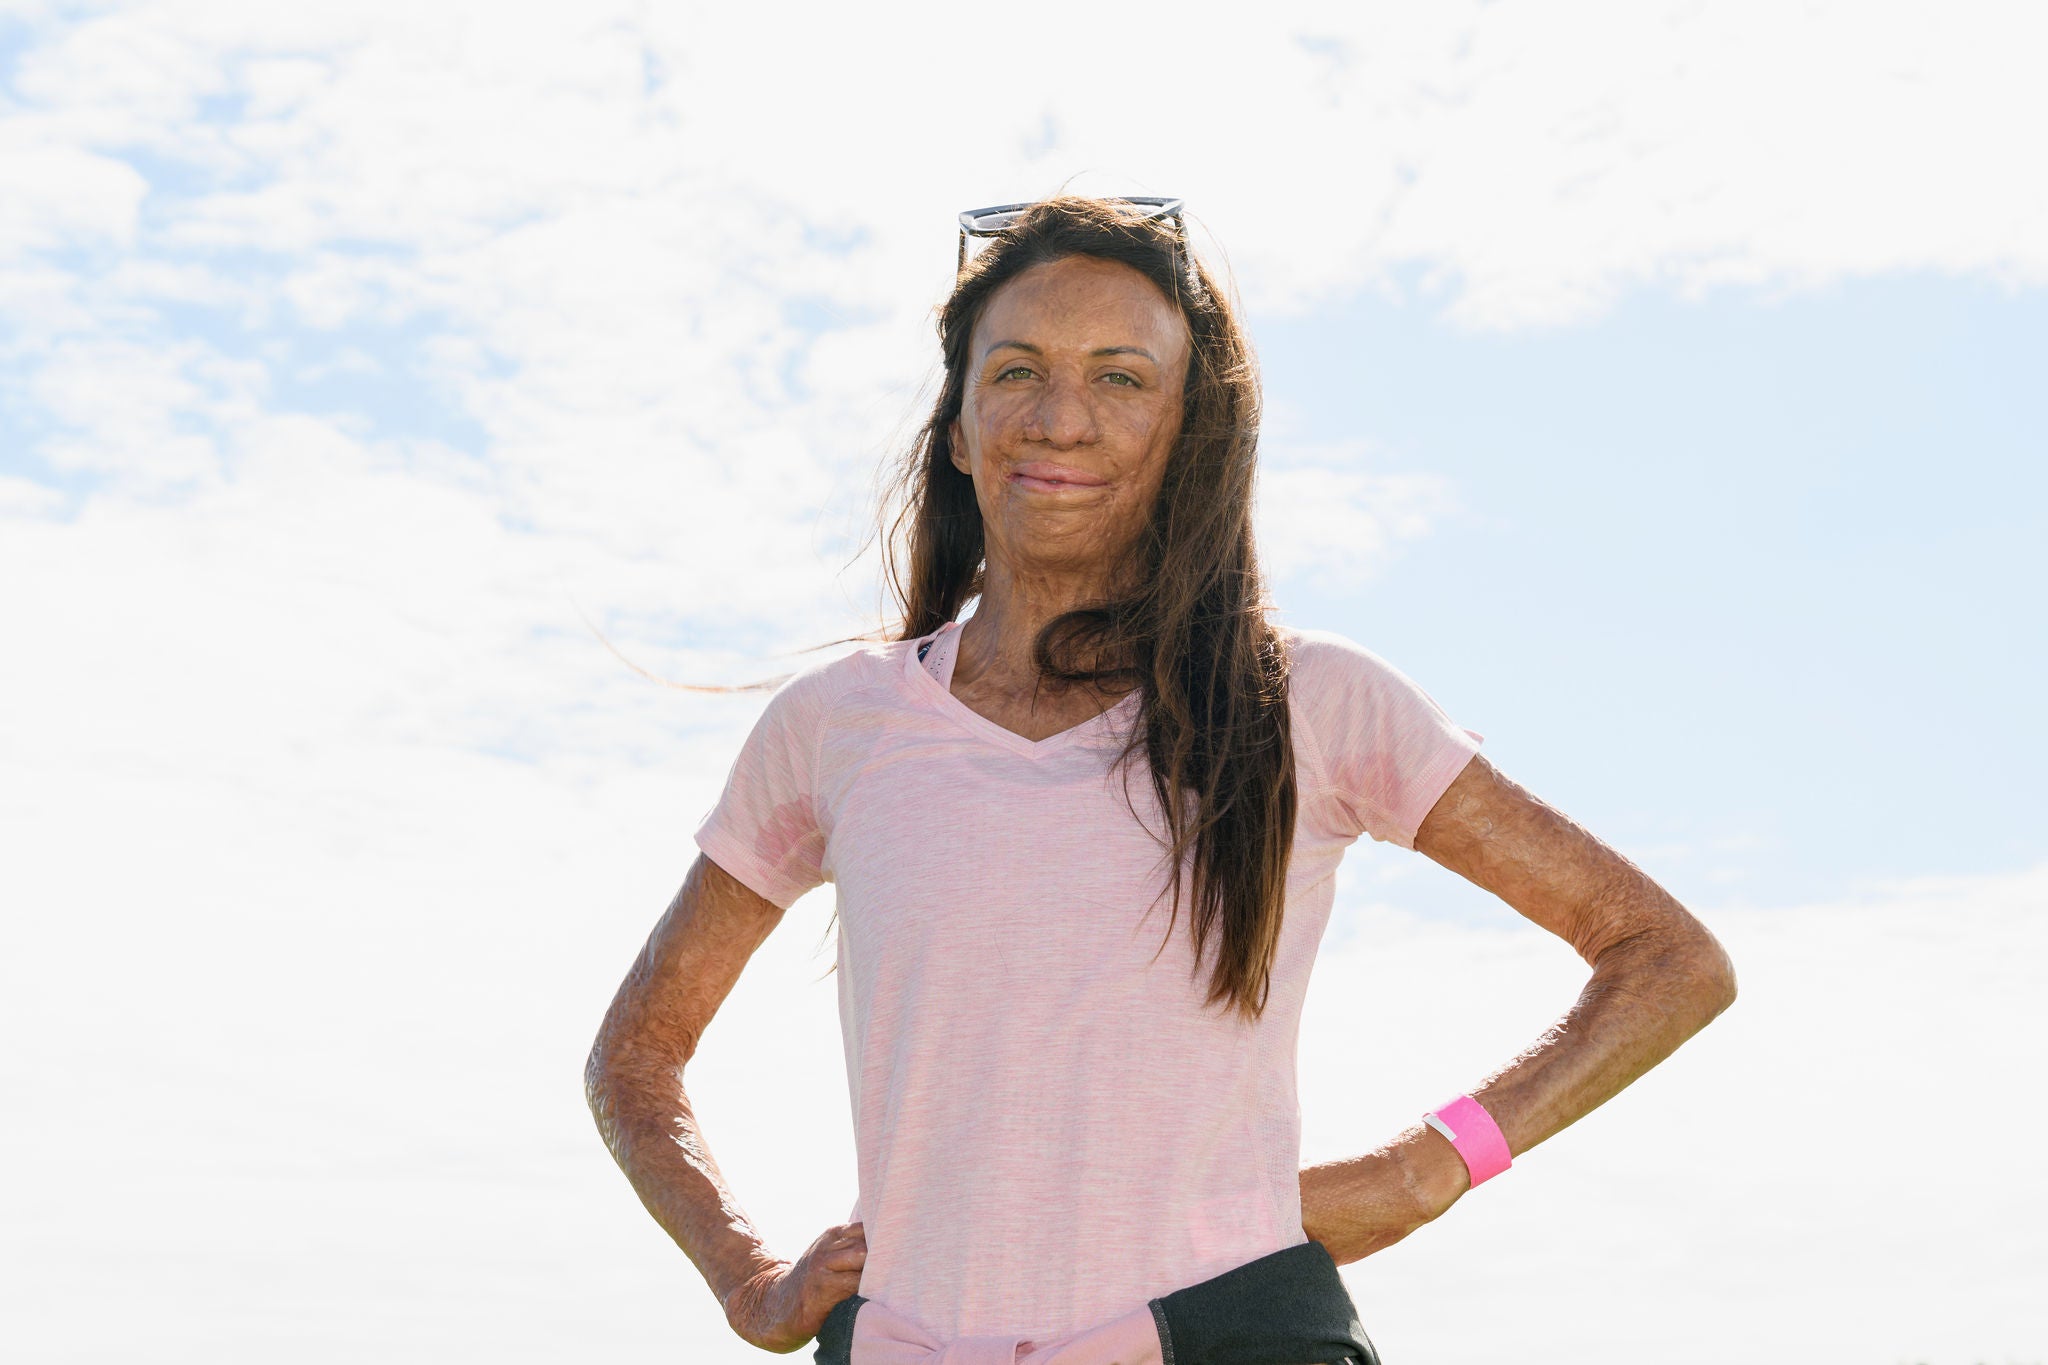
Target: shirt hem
x=755 y=875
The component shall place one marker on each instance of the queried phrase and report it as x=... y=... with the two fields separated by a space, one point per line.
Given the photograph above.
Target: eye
x=1014 y=369
x=1119 y=374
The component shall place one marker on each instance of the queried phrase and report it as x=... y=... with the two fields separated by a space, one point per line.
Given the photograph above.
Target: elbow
x=1714 y=983
x=596 y=1080
x=1727 y=987
x=1718 y=971
x=1703 y=965
x=606 y=1098
x=1691 y=967
x=624 y=1073
x=604 y=1076
x=1715 y=996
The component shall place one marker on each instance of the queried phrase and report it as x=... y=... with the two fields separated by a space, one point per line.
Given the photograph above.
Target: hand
x=783 y=1306
x=1368 y=1203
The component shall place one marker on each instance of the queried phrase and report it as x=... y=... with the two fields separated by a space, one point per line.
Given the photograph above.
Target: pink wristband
x=1476 y=1136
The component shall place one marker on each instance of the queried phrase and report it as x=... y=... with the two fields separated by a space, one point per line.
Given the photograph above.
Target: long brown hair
x=1190 y=630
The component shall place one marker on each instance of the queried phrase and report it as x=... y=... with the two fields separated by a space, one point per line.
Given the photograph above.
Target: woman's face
x=1072 y=405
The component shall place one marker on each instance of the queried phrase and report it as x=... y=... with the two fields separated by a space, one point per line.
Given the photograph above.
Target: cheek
x=999 y=412
x=1154 y=430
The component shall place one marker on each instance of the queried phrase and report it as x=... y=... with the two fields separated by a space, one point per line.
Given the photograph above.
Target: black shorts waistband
x=1286 y=1308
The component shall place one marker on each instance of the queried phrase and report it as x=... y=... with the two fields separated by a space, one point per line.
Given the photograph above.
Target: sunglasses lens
x=996 y=222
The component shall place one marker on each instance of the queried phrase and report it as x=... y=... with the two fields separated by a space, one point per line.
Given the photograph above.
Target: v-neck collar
x=939 y=696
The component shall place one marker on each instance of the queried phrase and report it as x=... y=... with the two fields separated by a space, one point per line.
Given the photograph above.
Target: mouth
x=1041 y=477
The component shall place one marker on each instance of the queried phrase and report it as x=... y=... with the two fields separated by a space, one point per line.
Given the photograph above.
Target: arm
x=634 y=1076
x=1658 y=977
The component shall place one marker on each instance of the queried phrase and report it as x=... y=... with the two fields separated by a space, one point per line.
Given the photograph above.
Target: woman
x=1077 y=1126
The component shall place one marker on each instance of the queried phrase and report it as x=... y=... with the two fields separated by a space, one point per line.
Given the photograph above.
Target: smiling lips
x=1046 y=477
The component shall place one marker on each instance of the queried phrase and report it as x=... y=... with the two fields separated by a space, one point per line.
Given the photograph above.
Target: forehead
x=1082 y=302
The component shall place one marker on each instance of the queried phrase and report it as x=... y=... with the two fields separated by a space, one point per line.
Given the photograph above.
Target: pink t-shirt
x=1051 y=1128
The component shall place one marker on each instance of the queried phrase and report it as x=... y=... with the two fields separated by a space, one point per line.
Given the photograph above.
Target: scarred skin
x=1658 y=976
x=1114 y=416
x=634 y=1082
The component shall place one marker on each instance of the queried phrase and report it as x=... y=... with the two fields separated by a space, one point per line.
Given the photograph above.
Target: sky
x=1658 y=385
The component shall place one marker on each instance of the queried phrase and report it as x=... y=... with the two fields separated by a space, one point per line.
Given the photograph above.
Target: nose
x=1064 y=414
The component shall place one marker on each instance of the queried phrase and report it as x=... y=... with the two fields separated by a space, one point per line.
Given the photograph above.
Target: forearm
x=649 y=1126
x=1644 y=998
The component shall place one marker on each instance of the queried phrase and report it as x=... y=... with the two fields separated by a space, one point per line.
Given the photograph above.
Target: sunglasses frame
x=1161 y=207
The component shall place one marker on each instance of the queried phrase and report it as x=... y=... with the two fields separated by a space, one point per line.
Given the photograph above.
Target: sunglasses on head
x=994 y=221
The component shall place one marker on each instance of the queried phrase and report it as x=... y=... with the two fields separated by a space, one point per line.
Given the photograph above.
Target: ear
x=959 y=448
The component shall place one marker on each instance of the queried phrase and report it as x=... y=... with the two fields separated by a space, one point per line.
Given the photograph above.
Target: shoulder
x=1319 y=660
x=1347 y=693
x=1380 y=745
x=818 y=684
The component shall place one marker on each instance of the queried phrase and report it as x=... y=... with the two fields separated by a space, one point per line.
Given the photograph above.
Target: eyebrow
x=1100 y=350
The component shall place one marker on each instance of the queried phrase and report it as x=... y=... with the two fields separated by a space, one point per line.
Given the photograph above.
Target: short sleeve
x=1388 y=750
x=764 y=829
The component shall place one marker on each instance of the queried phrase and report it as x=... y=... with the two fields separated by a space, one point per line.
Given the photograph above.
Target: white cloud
x=1320 y=516
x=59 y=196
x=612 y=210
x=25 y=497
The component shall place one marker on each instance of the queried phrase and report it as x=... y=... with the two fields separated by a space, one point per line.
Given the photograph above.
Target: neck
x=1014 y=606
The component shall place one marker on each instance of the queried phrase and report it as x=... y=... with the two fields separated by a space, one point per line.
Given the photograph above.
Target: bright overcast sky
x=1659 y=385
